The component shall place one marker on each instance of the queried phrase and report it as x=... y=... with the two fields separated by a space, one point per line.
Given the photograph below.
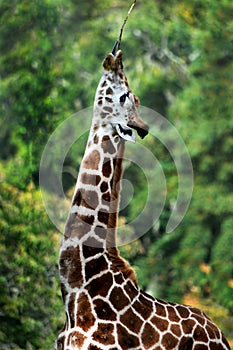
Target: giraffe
x=105 y=308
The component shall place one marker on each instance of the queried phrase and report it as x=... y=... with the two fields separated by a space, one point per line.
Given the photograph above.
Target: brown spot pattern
x=96 y=139
x=92 y=160
x=108 y=99
x=175 y=329
x=100 y=231
x=104 y=84
x=118 y=299
x=106 y=197
x=88 y=219
x=93 y=347
x=187 y=326
x=76 y=339
x=70 y=266
x=149 y=336
x=199 y=319
x=103 y=115
x=108 y=109
x=204 y=347
x=183 y=312
x=101 y=285
x=169 y=341
x=143 y=306
x=104 y=311
x=109 y=91
x=160 y=323
x=131 y=321
x=90 y=199
x=126 y=340
x=77 y=198
x=106 y=167
x=160 y=310
x=173 y=317
x=104 y=187
x=89 y=179
x=131 y=290
x=103 y=216
x=210 y=332
x=186 y=343
x=84 y=318
x=107 y=145
x=200 y=334
x=146 y=302
x=142 y=309
x=91 y=251
x=78 y=225
x=104 y=333
x=118 y=278
x=95 y=266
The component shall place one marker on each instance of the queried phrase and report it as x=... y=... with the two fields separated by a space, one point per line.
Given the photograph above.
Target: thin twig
x=122 y=28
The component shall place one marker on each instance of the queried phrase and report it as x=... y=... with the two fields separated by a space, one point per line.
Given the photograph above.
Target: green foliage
x=29 y=289
x=27 y=105
x=204 y=107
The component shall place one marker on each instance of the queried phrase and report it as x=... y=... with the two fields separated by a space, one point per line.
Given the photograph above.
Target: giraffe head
x=115 y=104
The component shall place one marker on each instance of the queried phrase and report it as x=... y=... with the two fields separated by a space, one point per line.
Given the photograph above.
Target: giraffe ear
x=125 y=132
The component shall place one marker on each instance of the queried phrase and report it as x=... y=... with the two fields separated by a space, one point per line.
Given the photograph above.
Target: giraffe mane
x=120 y=264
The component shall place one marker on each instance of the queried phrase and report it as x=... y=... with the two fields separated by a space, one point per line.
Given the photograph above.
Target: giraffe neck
x=96 y=196
x=91 y=225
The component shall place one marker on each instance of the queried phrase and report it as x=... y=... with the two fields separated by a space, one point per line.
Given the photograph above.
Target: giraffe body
x=105 y=309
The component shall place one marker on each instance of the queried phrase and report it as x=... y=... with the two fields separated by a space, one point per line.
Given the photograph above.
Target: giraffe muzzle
x=141 y=128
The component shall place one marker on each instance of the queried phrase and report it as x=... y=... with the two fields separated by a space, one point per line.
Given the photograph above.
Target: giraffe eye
x=123 y=97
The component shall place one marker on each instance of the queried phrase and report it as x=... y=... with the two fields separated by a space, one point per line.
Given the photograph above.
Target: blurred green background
x=178 y=60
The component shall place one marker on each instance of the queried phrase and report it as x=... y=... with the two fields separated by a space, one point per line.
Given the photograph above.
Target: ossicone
x=115 y=47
